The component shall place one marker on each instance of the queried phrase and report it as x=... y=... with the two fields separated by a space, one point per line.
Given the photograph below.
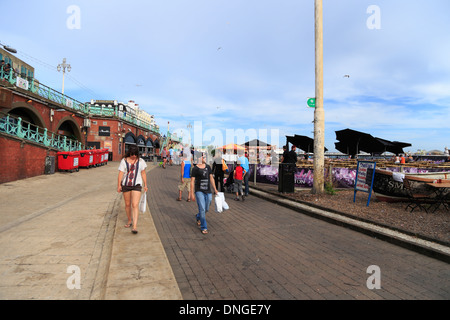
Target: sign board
x=311 y=102
x=104 y=131
x=69 y=103
x=365 y=173
x=22 y=83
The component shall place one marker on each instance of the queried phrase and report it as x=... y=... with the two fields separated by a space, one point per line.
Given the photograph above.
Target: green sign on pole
x=311 y=102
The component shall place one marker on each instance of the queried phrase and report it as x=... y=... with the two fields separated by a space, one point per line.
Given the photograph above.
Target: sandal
x=134 y=231
x=188 y=200
x=178 y=199
x=128 y=225
x=205 y=231
x=199 y=223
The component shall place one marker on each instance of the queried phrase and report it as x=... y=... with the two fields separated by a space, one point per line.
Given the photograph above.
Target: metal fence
x=34 y=86
x=15 y=126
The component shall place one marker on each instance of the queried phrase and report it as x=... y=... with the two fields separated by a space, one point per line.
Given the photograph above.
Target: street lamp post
x=189 y=126
x=8 y=48
x=63 y=66
x=319 y=123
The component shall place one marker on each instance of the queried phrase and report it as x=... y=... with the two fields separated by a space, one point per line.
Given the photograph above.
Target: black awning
x=302 y=142
x=352 y=142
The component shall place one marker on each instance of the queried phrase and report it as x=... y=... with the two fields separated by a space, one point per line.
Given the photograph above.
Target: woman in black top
x=201 y=183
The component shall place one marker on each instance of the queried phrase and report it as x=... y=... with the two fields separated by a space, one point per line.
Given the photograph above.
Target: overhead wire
x=54 y=68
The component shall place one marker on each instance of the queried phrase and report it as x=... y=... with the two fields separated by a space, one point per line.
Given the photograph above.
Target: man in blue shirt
x=243 y=159
x=171 y=155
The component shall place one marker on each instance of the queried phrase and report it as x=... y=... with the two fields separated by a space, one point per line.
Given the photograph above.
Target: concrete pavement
x=63 y=230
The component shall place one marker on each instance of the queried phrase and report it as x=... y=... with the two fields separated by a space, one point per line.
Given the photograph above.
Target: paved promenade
x=65 y=229
x=62 y=237
x=261 y=250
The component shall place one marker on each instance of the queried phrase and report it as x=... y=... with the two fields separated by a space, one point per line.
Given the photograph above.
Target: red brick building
x=26 y=154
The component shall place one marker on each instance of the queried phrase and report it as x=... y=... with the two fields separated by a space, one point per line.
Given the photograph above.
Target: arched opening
x=149 y=146
x=141 y=144
x=29 y=115
x=69 y=128
x=130 y=139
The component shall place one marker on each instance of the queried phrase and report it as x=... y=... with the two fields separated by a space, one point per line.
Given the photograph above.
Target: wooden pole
x=319 y=123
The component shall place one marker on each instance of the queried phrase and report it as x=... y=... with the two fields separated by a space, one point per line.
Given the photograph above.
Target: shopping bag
x=224 y=203
x=143 y=202
x=218 y=203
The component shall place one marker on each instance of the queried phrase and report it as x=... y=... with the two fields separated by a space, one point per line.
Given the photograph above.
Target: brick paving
x=258 y=250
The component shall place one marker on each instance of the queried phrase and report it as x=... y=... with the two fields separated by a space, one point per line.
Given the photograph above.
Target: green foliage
x=329 y=189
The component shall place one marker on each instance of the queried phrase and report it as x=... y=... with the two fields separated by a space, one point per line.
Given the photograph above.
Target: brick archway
x=33 y=114
x=72 y=125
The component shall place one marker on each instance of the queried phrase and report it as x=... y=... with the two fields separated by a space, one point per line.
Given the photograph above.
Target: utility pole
x=319 y=118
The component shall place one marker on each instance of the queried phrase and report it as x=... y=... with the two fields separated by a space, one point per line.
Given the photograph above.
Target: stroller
x=229 y=184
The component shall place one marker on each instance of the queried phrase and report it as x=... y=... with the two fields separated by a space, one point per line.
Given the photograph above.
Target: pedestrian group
x=197 y=178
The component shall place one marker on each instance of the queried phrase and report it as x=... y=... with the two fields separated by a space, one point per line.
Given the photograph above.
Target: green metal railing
x=25 y=130
x=86 y=108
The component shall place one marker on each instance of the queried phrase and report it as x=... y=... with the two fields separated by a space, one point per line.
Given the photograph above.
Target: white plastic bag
x=224 y=203
x=218 y=202
x=143 y=202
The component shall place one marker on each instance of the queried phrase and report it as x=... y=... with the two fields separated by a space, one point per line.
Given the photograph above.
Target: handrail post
x=46 y=142
x=19 y=128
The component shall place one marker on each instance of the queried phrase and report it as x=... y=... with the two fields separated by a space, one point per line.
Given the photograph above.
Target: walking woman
x=201 y=182
x=131 y=181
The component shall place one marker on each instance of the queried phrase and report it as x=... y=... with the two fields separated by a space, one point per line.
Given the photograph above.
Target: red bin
x=97 y=157
x=86 y=159
x=105 y=156
x=102 y=158
x=68 y=161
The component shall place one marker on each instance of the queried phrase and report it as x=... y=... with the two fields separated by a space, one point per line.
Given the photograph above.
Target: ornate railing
x=87 y=109
x=25 y=130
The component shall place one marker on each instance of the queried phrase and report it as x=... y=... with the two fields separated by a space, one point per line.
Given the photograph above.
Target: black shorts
x=131 y=188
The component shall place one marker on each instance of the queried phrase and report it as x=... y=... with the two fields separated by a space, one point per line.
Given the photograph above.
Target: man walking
x=243 y=159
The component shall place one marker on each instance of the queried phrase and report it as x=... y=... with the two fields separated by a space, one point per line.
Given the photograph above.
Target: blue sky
x=248 y=66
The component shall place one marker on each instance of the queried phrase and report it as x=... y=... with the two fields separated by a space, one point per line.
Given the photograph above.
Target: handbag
x=143 y=202
x=224 y=166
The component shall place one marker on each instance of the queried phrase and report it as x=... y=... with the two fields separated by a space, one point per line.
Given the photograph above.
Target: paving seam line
x=103 y=250
x=429 y=248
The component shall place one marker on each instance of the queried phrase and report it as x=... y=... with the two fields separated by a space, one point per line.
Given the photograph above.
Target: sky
x=234 y=70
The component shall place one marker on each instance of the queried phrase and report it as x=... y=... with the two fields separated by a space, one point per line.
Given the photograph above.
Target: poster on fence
x=22 y=83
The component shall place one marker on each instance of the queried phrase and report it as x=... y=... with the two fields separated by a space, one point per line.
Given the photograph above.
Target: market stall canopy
x=256 y=143
x=352 y=142
x=232 y=147
x=302 y=142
